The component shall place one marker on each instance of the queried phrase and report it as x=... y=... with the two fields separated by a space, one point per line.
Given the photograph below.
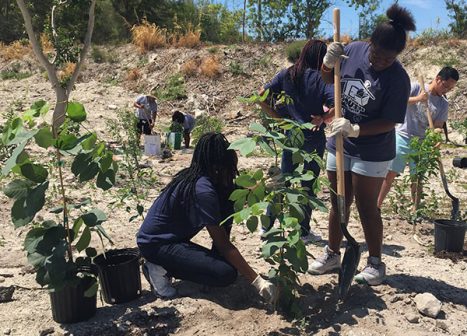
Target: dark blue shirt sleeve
x=207 y=210
x=396 y=99
x=276 y=84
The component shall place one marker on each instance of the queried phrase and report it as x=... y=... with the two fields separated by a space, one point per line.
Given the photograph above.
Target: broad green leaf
x=106 y=161
x=140 y=209
x=245 y=145
x=258 y=128
x=76 y=112
x=106 y=180
x=23 y=136
x=258 y=175
x=11 y=162
x=24 y=209
x=267 y=148
x=252 y=223
x=10 y=129
x=252 y=199
x=76 y=227
x=84 y=240
x=265 y=221
x=44 y=137
x=94 y=217
x=259 y=191
x=33 y=237
x=36 y=259
x=89 y=141
x=238 y=194
x=66 y=142
x=101 y=231
x=17 y=188
x=270 y=248
x=91 y=252
x=244 y=214
x=35 y=173
x=245 y=181
x=89 y=173
x=80 y=163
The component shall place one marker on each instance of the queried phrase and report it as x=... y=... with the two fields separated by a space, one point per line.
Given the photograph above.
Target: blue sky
x=427 y=14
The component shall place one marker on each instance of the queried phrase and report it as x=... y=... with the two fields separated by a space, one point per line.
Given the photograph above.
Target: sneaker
x=311 y=237
x=373 y=274
x=327 y=262
x=161 y=285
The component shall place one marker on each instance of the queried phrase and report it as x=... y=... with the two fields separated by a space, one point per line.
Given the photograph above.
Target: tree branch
x=87 y=43
x=35 y=44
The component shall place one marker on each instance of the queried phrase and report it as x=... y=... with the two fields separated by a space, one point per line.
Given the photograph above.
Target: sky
x=427 y=14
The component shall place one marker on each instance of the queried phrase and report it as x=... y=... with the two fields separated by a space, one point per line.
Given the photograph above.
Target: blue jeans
x=314 y=141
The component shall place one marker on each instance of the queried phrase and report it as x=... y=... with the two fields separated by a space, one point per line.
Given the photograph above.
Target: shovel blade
x=348 y=268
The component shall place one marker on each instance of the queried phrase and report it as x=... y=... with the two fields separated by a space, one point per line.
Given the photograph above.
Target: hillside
x=112 y=78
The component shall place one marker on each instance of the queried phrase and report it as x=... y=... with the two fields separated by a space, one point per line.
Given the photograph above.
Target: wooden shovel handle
x=422 y=89
x=338 y=114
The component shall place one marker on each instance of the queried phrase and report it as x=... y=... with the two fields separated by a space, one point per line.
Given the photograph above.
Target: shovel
x=454 y=200
x=352 y=249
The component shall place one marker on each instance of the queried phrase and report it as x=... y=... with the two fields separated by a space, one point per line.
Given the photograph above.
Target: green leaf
x=11 y=162
x=34 y=172
x=80 y=163
x=17 y=188
x=265 y=221
x=245 y=181
x=84 y=240
x=92 y=290
x=238 y=194
x=139 y=209
x=91 y=252
x=245 y=146
x=89 y=173
x=270 y=248
x=267 y=148
x=106 y=180
x=89 y=141
x=33 y=237
x=24 y=209
x=252 y=223
x=106 y=161
x=66 y=141
x=101 y=231
x=23 y=136
x=258 y=175
x=255 y=127
x=44 y=137
x=76 y=227
x=76 y=112
x=94 y=217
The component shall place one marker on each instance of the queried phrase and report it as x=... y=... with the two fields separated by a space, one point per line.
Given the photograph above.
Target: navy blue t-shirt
x=162 y=225
x=368 y=95
x=309 y=101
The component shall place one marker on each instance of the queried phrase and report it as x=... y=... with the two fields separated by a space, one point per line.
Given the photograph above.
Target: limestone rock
x=428 y=304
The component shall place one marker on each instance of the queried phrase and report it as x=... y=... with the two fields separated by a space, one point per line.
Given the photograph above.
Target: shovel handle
x=338 y=114
x=422 y=89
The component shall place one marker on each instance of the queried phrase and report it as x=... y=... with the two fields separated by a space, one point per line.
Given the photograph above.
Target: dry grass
x=133 y=74
x=346 y=39
x=14 y=51
x=210 y=67
x=147 y=36
x=47 y=46
x=190 y=39
x=190 y=68
x=66 y=71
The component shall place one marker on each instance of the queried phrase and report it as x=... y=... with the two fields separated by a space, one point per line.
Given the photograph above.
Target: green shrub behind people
x=205 y=124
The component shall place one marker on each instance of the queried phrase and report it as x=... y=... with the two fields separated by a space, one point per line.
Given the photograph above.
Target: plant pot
x=69 y=305
x=174 y=140
x=449 y=235
x=119 y=275
x=152 y=145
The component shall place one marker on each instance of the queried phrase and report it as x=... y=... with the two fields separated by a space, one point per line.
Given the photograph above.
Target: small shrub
x=294 y=49
x=100 y=55
x=14 y=51
x=133 y=74
x=190 y=39
x=66 y=71
x=213 y=50
x=190 y=68
x=46 y=44
x=14 y=73
x=205 y=124
x=210 y=67
x=236 y=68
x=430 y=36
x=173 y=89
x=147 y=36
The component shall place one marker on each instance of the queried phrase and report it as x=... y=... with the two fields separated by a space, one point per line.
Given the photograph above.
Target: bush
x=205 y=124
x=294 y=49
x=173 y=89
x=190 y=67
x=147 y=36
x=236 y=68
x=14 y=51
x=14 y=73
x=210 y=67
x=190 y=39
x=133 y=74
x=100 y=55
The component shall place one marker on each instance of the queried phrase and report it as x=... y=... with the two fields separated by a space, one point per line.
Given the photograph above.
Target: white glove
x=334 y=53
x=344 y=126
x=266 y=289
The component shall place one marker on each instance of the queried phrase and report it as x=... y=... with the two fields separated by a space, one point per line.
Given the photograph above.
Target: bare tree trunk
x=244 y=19
x=61 y=93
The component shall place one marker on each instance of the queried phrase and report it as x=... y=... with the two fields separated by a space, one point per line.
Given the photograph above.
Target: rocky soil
x=393 y=308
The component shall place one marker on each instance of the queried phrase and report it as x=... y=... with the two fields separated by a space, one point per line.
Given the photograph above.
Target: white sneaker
x=327 y=262
x=161 y=284
x=373 y=274
x=311 y=237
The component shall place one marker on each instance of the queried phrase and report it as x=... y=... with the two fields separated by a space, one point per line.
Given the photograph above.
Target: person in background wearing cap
x=188 y=122
x=146 y=112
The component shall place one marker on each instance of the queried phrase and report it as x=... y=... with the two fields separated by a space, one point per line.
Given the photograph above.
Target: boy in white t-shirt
x=416 y=122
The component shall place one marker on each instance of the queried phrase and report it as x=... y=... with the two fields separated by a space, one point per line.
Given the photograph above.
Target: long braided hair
x=211 y=158
x=311 y=57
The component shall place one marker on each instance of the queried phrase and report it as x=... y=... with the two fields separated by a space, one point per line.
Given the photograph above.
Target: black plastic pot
x=449 y=235
x=69 y=305
x=119 y=275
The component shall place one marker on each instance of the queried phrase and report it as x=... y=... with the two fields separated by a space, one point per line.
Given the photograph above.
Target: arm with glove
x=350 y=130
x=334 y=53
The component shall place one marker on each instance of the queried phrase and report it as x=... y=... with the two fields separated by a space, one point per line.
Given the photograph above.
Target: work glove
x=344 y=126
x=334 y=53
x=266 y=289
